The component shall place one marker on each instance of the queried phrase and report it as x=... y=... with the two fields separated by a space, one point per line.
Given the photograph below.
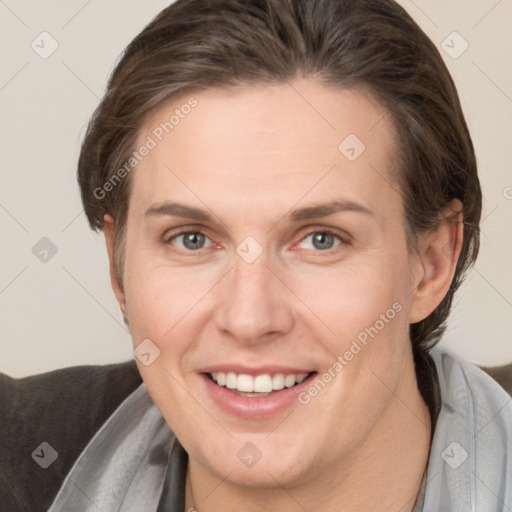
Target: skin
x=248 y=157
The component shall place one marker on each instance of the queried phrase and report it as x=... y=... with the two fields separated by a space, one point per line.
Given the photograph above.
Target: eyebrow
x=172 y=209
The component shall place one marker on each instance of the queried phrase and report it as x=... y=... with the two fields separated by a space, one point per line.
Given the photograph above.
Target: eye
x=321 y=240
x=190 y=240
x=195 y=241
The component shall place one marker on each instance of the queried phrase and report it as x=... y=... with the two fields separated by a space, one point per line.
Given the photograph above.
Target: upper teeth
x=264 y=383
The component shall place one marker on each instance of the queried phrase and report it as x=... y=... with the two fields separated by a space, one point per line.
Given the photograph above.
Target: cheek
x=364 y=326
x=353 y=297
x=162 y=300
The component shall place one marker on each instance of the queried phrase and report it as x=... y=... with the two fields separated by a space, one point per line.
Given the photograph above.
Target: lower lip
x=253 y=407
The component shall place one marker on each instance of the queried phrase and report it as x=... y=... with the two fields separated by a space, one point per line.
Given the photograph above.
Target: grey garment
x=123 y=468
x=470 y=463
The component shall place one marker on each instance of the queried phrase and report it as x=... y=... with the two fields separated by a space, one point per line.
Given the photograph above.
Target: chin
x=249 y=467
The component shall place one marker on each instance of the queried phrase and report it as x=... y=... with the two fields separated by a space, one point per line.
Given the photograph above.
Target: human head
x=370 y=44
x=229 y=62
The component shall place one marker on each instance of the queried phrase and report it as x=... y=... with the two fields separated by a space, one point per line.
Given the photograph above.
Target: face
x=266 y=248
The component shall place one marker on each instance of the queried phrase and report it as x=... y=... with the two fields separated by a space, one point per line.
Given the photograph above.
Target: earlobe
x=437 y=258
x=117 y=286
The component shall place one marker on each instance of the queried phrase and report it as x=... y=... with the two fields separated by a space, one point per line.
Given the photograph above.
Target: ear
x=435 y=262
x=117 y=286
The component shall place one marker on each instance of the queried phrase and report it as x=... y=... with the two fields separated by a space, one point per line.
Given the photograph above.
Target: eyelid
x=181 y=230
x=309 y=230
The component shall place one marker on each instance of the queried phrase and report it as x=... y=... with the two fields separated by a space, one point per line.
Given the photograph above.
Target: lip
x=253 y=408
x=254 y=371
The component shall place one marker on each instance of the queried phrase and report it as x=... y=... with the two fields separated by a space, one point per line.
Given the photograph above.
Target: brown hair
x=373 y=44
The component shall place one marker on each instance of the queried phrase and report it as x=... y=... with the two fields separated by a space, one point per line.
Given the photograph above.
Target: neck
x=384 y=473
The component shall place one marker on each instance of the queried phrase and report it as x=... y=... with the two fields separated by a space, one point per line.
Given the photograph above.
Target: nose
x=255 y=306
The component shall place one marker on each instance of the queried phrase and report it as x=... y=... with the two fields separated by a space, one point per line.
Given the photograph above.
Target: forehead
x=267 y=144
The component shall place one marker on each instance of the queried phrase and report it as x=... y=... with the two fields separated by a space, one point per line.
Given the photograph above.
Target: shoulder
x=461 y=380
x=471 y=393
x=470 y=455
x=63 y=408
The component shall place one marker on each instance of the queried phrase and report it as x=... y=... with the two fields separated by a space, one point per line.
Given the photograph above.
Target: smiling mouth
x=259 y=385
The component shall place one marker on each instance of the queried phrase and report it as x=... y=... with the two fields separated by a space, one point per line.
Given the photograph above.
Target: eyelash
x=304 y=234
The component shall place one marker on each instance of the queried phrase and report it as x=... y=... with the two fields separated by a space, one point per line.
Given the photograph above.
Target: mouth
x=257 y=386
x=254 y=393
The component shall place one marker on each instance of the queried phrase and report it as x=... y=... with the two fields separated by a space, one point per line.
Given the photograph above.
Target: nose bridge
x=254 y=304
x=251 y=281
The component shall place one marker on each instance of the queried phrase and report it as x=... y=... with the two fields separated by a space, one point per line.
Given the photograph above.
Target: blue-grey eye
x=191 y=241
x=321 y=240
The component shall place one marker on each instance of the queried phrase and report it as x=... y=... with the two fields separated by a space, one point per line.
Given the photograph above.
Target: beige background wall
x=61 y=311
